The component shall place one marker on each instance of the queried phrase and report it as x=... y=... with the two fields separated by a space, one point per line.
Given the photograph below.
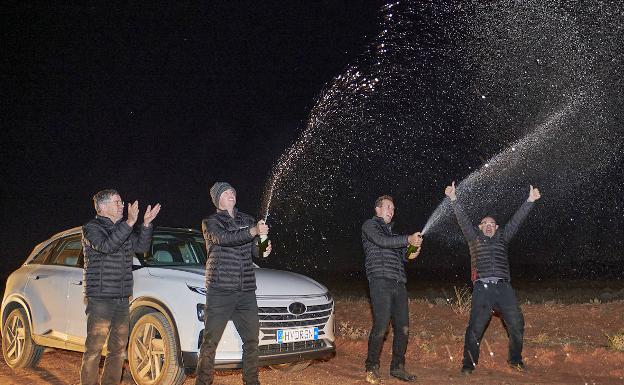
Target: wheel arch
x=145 y=305
x=15 y=302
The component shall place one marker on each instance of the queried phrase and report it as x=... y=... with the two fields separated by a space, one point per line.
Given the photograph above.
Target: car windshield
x=175 y=249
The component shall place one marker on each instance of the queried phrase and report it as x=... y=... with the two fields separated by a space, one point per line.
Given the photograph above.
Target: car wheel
x=18 y=348
x=291 y=367
x=153 y=351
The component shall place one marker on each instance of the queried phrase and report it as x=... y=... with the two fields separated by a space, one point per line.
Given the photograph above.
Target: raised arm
x=375 y=235
x=215 y=233
x=142 y=241
x=462 y=219
x=512 y=227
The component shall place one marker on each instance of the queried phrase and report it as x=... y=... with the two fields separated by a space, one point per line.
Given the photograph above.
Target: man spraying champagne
x=386 y=254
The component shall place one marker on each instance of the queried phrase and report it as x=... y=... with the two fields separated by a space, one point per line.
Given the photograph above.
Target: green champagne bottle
x=410 y=250
x=262 y=246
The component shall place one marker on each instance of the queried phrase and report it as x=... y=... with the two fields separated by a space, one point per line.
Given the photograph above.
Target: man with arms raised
x=492 y=289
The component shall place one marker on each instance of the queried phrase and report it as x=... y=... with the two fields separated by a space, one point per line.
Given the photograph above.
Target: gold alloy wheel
x=15 y=338
x=153 y=352
x=149 y=352
x=18 y=348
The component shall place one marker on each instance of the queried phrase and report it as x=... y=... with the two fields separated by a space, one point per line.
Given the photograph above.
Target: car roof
x=78 y=230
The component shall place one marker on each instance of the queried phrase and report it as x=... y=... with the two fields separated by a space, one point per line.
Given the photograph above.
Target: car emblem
x=297 y=308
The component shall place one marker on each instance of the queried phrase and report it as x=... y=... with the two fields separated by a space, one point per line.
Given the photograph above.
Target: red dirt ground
x=564 y=344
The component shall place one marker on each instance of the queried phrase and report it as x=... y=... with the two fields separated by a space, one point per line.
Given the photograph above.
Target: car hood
x=270 y=282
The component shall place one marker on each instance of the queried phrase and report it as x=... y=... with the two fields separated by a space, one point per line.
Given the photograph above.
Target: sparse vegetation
x=595 y=301
x=540 y=339
x=427 y=346
x=462 y=302
x=351 y=332
x=616 y=341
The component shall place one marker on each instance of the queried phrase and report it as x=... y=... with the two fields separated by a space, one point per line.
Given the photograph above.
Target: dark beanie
x=217 y=189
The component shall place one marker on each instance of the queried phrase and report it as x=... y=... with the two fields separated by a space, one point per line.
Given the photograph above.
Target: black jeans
x=242 y=308
x=389 y=301
x=485 y=298
x=106 y=317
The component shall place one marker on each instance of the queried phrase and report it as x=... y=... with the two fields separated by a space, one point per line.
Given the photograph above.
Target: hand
x=262 y=228
x=534 y=194
x=450 y=192
x=415 y=239
x=133 y=213
x=414 y=254
x=268 y=250
x=150 y=214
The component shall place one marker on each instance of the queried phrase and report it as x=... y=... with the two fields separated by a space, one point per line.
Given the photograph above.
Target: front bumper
x=269 y=358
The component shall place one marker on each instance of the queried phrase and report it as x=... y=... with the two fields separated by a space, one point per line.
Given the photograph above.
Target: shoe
x=519 y=366
x=402 y=375
x=373 y=376
x=467 y=370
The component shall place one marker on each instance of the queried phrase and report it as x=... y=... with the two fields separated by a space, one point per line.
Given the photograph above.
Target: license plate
x=300 y=334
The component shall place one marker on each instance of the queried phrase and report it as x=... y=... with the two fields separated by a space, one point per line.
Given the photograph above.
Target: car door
x=76 y=305
x=47 y=290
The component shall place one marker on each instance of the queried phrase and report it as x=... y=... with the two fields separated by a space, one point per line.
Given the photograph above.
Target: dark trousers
x=106 y=317
x=485 y=298
x=242 y=308
x=389 y=302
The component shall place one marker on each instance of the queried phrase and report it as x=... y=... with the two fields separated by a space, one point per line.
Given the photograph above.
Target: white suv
x=43 y=306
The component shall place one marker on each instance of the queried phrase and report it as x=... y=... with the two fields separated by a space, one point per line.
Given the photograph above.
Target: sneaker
x=467 y=370
x=373 y=376
x=519 y=366
x=402 y=375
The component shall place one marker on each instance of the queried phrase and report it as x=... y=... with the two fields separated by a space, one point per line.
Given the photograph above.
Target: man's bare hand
x=534 y=194
x=262 y=227
x=415 y=239
x=268 y=250
x=133 y=213
x=450 y=192
x=150 y=214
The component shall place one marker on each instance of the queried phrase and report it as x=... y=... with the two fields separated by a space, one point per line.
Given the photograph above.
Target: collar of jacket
x=107 y=220
x=382 y=222
x=225 y=213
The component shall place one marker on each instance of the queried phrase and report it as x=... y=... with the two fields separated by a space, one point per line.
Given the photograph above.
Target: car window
x=43 y=254
x=68 y=254
x=176 y=249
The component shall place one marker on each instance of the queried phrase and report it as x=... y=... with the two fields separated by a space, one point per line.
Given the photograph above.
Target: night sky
x=331 y=103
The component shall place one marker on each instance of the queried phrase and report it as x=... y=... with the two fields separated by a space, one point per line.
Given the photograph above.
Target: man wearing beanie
x=231 y=242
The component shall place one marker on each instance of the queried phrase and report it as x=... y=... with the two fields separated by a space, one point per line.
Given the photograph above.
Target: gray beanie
x=217 y=189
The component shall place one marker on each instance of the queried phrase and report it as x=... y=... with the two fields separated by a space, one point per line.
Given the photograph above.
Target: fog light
x=201 y=311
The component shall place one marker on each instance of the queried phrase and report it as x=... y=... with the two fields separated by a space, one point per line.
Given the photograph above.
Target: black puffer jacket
x=488 y=256
x=230 y=248
x=384 y=250
x=108 y=251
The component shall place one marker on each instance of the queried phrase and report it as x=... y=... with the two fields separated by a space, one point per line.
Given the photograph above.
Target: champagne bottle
x=262 y=246
x=410 y=250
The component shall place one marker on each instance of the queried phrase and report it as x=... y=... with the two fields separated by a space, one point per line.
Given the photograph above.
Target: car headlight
x=196 y=289
x=328 y=296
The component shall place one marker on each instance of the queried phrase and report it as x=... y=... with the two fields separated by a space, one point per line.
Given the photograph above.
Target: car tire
x=153 y=352
x=291 y=367
x=18 y=348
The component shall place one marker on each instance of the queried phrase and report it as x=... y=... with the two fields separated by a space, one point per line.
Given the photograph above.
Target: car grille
x=274 y=318
x=290 y=347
